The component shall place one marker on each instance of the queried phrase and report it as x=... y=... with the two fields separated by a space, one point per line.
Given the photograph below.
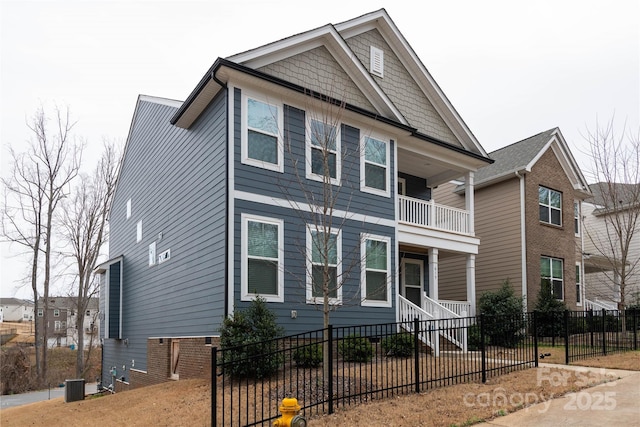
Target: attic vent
x=377 y=62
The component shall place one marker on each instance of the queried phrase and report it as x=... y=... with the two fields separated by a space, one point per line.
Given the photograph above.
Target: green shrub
x=474 y=341
x=355 y=348
x=503 y=316
x=550 y=316
x=248 y=342
x=308 y=356
x=399 y=345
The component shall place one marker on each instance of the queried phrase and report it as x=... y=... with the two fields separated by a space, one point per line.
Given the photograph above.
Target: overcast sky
x=511 y=68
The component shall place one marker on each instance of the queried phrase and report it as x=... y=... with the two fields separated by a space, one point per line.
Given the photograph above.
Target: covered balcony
x=428 y=214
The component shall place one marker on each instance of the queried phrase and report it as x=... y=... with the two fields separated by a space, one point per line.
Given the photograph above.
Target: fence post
x=214 y=386
x=590 y=319
x=604 y=332
x=482 y=349
x=416 y=359
x=535 y=338
x=635 y=328
x=330 y=370
x=566 y=337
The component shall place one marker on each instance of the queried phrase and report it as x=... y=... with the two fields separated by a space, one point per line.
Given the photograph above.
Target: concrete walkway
x=615 y=403
x=12 y=400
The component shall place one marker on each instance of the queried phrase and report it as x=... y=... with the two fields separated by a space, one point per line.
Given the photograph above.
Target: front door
x=412 y=280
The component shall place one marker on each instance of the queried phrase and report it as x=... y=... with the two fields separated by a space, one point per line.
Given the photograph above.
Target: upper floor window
x=376 y=271
x=323 y=266
x=56 y=313
x=40 y=312
x=550 y=206
x=576 y=218
x=261 y=141
x=375 y=166
x=262 y=258
x=551 y=272
x=323 y=151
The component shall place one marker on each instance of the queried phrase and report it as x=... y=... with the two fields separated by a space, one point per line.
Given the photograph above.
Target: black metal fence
x=585 y=334
x=371 y=362
x=363 y=363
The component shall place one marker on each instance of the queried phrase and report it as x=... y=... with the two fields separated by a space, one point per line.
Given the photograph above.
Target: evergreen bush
x=249 y=342
x=399 y=345
x=503 y=316
x=355 y=348
x=308 y=356
x=550 y=312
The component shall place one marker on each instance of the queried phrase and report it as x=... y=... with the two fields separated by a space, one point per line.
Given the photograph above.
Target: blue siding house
x=332 y=138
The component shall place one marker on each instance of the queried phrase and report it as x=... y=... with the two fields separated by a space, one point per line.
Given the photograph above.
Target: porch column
x=471 y=283
x=433 y=273
x=469 y=200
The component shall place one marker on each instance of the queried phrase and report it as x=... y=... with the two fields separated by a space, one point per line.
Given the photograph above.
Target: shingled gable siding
x=176 y=179
x=286 y=188
x=549 y=240
x=317 y=70
x=401 y=88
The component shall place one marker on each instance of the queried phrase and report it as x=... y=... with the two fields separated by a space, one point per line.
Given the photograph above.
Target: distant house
x=62 y=317
x=528 y=206
x=217 y=197
x=16 y=310
x=602 y=275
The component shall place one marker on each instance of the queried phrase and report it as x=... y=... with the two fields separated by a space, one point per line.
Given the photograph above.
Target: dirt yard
x=186 y=403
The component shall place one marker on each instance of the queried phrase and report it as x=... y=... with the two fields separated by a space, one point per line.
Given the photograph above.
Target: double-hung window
x=576 y=218
x=323 y=151
x=375 y=166
x=551 y=272
x=56 y=313
x=578 y=284
x=262 y=258
x=376 y=271
x=261 y=141
x=324 y=268
x=550 y=202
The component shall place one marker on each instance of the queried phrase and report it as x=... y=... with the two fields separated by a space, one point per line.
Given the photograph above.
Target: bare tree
x=616 y=171
x=83 y=219
x=317 y=189
x=38 y=181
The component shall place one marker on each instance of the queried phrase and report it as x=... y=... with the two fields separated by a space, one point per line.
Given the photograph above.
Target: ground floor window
x=551 y=271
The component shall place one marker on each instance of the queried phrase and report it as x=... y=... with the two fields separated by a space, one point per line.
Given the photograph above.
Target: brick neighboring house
x=601 y=278
x=528 y=206
x=62 y=319
x=217 y=200
x=16 y=310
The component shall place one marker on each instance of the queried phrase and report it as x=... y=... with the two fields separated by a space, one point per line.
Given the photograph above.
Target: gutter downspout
x=523 y=239
x=226 y=195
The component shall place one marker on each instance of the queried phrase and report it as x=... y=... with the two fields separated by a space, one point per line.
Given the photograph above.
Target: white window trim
x=402 y=181
x=551 y=278
x=309 y=293
x=363 y=270
x=579 y=265
x=577 y=218
x=245 y=159
x=245 y=295
x=363 y=186
x=309 y=146
x=551 y=208
x=139 y=232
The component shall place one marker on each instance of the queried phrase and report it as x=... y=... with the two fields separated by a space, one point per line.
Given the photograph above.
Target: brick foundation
x=194 y=360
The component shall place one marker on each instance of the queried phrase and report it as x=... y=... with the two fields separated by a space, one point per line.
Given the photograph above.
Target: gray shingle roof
x=513 y=157
x=624 y=193
x=14 y=301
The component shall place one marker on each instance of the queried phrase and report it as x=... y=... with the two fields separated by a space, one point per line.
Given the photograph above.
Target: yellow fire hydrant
x=290 y=418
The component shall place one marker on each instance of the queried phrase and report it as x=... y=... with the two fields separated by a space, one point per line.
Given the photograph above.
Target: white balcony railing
x=429 y=214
